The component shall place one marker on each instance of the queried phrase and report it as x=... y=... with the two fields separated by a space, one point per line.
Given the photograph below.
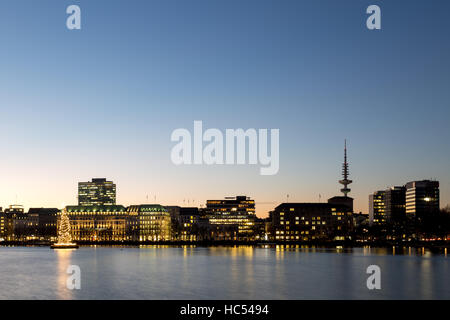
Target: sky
x=103 y=101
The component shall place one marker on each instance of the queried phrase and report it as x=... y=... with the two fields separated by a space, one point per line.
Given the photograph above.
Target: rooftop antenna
x=287 y=198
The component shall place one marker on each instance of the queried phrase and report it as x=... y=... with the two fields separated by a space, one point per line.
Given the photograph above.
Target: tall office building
x=377 y=208
x=97 y=192
x=395 y=204
x=422 y=198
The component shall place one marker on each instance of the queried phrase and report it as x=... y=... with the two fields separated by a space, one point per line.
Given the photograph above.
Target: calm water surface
x=156 y=272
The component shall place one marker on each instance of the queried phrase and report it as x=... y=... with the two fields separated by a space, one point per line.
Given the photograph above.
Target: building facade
x=98 y=223
x=311 y=222
x=16 y=223
x=422 y=198
x=189 y=222
x=395 y=205
x=98 y=192
x=43 y=222
x=377 y=208
x=232 y=218
x=3 y=226
x=149 y=222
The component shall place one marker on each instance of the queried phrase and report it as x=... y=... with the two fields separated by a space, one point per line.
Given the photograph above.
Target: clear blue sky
x=103 y=101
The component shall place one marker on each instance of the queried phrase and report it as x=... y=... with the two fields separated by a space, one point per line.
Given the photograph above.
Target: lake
x=241 y=272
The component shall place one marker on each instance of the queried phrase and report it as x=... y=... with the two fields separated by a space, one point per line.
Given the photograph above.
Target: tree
x=64 y=235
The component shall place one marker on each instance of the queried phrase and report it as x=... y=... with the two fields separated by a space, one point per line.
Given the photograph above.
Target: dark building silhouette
x=395 y=202
x=189 y=216
x=43 y=222
x=174 y=212
x=192 y=225
x=16 y=222
x=342 y=201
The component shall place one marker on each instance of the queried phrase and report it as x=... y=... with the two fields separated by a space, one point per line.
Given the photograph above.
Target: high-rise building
x=422 y=198
x=97 y=192
x=377 y=208
x=395 y=204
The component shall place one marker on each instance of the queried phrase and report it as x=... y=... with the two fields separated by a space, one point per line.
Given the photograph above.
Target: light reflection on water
x=63 y=262
x=239 y=272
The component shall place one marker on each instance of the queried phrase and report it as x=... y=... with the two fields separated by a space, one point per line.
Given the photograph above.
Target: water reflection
x=365 y=250
x=227 y=272
x=63 y=262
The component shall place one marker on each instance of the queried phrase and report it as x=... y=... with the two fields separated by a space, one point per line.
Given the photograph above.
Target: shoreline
x=321 y=244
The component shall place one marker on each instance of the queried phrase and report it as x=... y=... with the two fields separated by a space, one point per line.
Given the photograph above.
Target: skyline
x=103 y=101
x=191 y=202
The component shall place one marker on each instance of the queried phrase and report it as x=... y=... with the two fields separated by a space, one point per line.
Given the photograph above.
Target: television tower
x=345 y=173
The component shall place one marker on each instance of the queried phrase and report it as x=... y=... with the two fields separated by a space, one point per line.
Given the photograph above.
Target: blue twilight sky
x=103 y=101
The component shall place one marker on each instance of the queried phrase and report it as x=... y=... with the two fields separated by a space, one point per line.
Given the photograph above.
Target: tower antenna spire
x=345 y=173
